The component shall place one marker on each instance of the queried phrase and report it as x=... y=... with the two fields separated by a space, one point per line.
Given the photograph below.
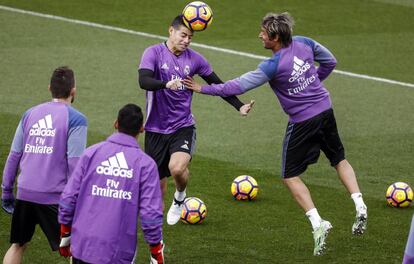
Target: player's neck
x=63 y=100
x=171 y=48
x=277 y=47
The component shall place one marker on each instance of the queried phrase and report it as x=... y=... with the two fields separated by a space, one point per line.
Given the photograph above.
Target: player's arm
x=77 y=136
x=233 y=100
x=409 y=248
x=240 y=85
x=11 y=169
x=150 y=210
x=67 y=205
x=148 y=82
x=68 y=199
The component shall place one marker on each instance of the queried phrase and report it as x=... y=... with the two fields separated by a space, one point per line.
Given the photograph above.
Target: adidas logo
x=299 y=68
x=43 y=127
x=165 y=67
x=115 y=166
x=185 y=146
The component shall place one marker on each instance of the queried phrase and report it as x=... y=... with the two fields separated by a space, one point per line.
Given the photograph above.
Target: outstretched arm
x=244 y=109
x=240 y=85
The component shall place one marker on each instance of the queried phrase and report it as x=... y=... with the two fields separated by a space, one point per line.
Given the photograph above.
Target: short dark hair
x=61 y=82
x=178 y=22
x=130 y=119
x=279 y=25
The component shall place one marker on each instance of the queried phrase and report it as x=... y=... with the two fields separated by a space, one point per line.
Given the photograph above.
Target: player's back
x=294 y=79
x=43 y=165
x=109 y=201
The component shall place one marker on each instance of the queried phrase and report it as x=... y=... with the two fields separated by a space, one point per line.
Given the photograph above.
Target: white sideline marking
x=229 y=51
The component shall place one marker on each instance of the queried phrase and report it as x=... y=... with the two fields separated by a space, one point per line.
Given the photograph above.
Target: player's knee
x=18 y=248
x=177 y=169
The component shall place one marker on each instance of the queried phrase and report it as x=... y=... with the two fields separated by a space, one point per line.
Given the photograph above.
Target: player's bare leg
x=178 y=167
x=15 y=254
x=303 y=197
x=347 y=175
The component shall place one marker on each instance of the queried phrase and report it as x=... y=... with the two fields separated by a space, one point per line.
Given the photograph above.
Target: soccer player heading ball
x=170 y=132
x=297 y=83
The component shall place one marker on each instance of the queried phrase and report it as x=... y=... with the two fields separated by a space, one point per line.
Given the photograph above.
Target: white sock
x=314 y=218
x=360 y=206
x=179 y=196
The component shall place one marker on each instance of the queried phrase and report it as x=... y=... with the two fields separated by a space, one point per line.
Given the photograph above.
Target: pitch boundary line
x=147 y=35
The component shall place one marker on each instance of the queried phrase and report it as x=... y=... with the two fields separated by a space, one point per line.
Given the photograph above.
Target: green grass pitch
x=375 y=119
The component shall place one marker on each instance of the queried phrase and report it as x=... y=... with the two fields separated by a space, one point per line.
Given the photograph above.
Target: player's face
x=180 y=38
x=267 y=43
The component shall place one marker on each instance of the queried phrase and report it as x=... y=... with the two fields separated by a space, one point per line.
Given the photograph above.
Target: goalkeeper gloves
x=64 y=247
x=7 y=202
x=157 y=253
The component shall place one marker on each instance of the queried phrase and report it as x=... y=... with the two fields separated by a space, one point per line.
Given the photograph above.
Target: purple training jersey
x=292 y=76
x=113 y=183
x=409 y=248
x=168 y=110
x=48 y=142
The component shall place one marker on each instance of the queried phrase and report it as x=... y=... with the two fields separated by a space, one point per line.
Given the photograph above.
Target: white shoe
x=319 y=235
x=174 y=213
x=360 y=224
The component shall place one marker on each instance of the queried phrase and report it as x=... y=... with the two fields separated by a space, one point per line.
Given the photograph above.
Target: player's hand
x=190 y=84
x=157 y=253
x=174 y=84
x=245 y=109
x=8 y=204
x=64 y=246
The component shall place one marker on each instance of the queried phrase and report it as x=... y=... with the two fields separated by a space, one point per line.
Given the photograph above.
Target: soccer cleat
x=319 y=235
x=174 y=213
x=360 y=224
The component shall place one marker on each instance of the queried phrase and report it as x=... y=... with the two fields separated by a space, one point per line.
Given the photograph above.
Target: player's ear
x=141 y=130
x=170 y=30
x=116 y=124
x=73 y=91
x=48 y=87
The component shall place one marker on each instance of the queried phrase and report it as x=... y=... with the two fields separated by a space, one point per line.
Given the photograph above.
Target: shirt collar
x=123 y=139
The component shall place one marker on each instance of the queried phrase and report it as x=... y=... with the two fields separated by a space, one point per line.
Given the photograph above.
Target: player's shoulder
x=194 y=53
x=76 y=118
x=157 y=48
x=305 y=40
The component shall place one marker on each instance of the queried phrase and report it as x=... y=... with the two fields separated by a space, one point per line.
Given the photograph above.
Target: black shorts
x=303 y=142
x=25 y=217
x=161 y=146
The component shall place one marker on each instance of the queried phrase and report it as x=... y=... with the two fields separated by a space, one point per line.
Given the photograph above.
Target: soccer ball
x=194 y=211
x=197 y=16
x=244 y=187
x=399 y=194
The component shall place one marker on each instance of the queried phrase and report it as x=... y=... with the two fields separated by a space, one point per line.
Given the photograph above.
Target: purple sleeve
x=9 y=174
x=326 y=60
x=228 y=88
x=408 y=259
x=150 y=204
x=204 y=68
x=409 y=248
x=68 y=199
x=12 y=163
x=148 y=59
